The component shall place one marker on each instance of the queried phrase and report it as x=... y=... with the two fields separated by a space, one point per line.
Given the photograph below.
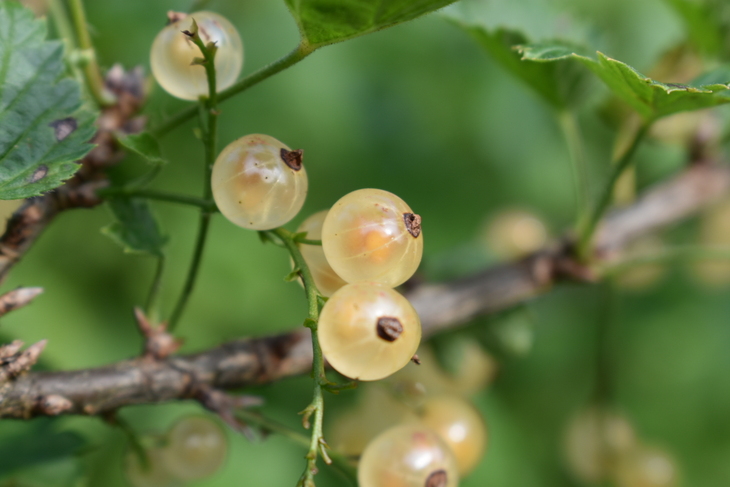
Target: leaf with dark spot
x=44 y=129
x=64 y=127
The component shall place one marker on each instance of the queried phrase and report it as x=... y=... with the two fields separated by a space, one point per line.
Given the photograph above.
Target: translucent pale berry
x=376 y=411
x=259 y=183
x=473 y=370
x=368 y=331
x=461 y=427
x=196 y=448
x=157 y=475
x=514 y=233
x=408 y=455
x=595 y=440
x=373 y=235
x=647 y=467
x=326 y=280
x=173 y=52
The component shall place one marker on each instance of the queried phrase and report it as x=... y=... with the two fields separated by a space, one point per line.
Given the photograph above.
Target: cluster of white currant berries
x=418 y=429
x=371 y=242
x=192 y=449
x=601 y=446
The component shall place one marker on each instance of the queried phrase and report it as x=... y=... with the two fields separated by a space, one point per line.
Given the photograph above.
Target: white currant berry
x=173 y=53
x=376 y=411
x=373 y=235
x=514 y=233
x=259 y=183
x=196 y=448
x=155 y=475
x=408 y=455
x=595 y=439
x=326 y=279
x=461 y=427
x=647 y=466
x=368 y=331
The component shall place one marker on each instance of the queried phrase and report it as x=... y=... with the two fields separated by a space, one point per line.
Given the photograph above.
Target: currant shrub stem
x=254 y=78
x=91 y=68
x=688 y=253
x=587 y=227
x=151 y=306
x=314 y=413
x=134 y=443
x=339 y=461
x=208 y=109
x=571 y=131
x=152 y=194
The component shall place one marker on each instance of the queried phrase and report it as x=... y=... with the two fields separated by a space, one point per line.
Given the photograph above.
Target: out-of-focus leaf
x=704 y=22
x=560 y=84
x=144 y=144
x=40 y=445
x=323 y=22
x=44 y=129
x=136 y=229
x=651 y=98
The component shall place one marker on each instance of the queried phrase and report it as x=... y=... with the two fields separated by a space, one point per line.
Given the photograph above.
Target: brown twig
x=28 y=222
x=247 y=362
x=18 y=298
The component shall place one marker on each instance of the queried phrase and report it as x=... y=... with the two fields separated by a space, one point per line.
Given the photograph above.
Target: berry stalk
x=242 y=85
x=208 y=110
x=314 y=413
x=587 y=227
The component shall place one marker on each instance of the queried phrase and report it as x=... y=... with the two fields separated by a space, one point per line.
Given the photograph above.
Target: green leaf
x=44 y=129
x=39 y=444
x=559 y=84
x=136 y=229
x=652 y=99
x=323 y=22
x=144 y=144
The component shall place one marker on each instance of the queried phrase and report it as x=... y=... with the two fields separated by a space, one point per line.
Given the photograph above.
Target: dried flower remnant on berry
x=413 y=223
x=389 y=328
x=437 y=479
x=292 y=158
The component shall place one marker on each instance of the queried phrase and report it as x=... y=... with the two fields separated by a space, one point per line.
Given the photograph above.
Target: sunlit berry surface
x=325 y=278
x=254 y=187
x=365 y=238
x=173 y=52
x=461 y=427
x=409 y=455
x=368 y=331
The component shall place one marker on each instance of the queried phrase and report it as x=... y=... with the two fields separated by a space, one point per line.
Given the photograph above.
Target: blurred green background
x=422 y=111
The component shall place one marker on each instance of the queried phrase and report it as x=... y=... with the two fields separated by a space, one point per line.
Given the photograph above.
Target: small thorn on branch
x=53 y=404
x=18 y=298
x=159 y=344
x=19 y=362
x=415 y=359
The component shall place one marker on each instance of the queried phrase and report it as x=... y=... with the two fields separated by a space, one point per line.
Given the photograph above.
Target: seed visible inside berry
x=373 y=235
x=254 y=187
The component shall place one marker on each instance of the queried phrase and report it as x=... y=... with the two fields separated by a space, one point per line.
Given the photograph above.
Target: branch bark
x=247 y=362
